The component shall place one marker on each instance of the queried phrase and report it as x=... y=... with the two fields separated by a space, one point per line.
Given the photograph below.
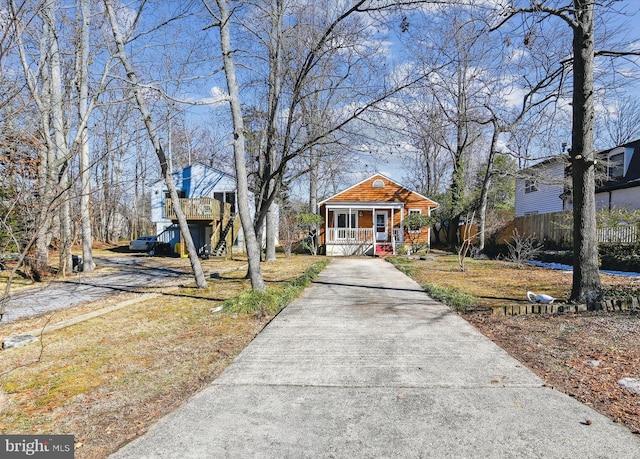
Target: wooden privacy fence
x=557 y=228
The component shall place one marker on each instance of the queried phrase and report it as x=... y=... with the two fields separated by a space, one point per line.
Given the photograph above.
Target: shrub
x=522 y=249
x=619 y=256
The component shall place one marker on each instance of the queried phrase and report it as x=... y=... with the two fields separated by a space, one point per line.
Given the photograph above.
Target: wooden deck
x=199 y=209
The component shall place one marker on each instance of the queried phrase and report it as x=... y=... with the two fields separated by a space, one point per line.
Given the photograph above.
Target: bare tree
x=580 y=17
x=329 y=33
x=621 y=121
x=251 y=241
x=132 y=78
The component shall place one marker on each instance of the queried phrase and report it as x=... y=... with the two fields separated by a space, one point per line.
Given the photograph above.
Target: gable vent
x=377 y=184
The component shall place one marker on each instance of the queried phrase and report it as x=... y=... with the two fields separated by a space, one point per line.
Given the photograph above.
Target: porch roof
x=363 y=205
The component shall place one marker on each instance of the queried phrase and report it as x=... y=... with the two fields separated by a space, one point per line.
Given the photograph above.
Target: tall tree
x=251 y=241
x=82 y=85
x=167 y=175
x=579 y=16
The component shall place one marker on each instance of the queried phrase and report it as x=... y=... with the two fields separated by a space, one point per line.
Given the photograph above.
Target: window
x=377 y=184
x=616 y=166
x=530 y=186
x=413 y=228
x=342 y=220
x=226 y=196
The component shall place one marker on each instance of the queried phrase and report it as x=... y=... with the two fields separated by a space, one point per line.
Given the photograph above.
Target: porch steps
x=384 y=250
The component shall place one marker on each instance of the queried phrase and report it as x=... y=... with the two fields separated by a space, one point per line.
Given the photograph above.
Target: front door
x=382 y=233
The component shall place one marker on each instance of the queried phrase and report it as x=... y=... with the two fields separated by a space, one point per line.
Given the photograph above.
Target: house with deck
x=368 y=218
x=209 y=200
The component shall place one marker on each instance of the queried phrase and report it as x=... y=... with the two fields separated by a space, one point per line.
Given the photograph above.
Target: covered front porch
x=362 y=229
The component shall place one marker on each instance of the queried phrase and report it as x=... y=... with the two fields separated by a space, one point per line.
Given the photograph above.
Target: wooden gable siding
x=391 y=192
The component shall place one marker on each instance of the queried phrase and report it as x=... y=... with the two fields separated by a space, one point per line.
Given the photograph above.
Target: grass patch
x=452 y=297
x=274 y=299
x=492 y=283
x=403 y=265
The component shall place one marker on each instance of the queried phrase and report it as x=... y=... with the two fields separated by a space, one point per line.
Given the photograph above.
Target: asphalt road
x=128 y=274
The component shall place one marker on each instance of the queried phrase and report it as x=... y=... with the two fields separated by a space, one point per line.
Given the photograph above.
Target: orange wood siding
x=391 y=192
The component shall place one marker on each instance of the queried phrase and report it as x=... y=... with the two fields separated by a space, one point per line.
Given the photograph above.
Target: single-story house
x=368 y=218
x=209 y=199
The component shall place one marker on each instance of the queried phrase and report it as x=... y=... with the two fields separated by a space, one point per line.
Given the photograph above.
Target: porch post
x=402 y=223
x=373 y=215
x=326 y=227
x=393 y=236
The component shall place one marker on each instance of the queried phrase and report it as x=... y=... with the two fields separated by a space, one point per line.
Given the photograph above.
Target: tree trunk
x=200 y=279
x=251 y=242
x=275 y=72
x=484 y=193
x=82 y=66
x=60 y=141
x=314 y=167
x=272 y=228
x=586 y=278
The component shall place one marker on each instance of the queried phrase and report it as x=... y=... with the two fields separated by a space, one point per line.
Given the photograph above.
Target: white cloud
x=218 y=97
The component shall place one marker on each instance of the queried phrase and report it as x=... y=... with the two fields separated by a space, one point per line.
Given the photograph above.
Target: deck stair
x=221 y=246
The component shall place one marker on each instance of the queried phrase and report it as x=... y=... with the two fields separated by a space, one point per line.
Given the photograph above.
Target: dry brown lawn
x=106 y=380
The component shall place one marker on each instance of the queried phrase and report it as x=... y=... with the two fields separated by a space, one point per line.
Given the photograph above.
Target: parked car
x=143 y=243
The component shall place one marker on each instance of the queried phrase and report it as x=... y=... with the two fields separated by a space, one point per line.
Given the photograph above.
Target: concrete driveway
x=366 y=365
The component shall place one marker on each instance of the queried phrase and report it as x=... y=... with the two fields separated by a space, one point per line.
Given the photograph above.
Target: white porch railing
x=349 y=235
x=398 y=235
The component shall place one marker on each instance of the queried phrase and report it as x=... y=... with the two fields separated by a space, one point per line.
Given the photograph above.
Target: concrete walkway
x=366 y=365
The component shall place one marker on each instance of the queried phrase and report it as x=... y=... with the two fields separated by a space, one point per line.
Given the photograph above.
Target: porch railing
x=355 y=235
x=398 y=235
x=349 y=235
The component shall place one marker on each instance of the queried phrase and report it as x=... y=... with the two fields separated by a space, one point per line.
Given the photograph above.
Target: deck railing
x=198 y=209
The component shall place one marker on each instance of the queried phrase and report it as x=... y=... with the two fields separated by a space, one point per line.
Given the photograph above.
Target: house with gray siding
x=541 y=188
x=545 y=187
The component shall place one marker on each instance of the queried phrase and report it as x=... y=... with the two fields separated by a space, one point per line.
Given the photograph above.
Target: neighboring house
x=544 y=187
x=368 y=218
x=209 y=199
x=621 y=189
x=541 y=188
